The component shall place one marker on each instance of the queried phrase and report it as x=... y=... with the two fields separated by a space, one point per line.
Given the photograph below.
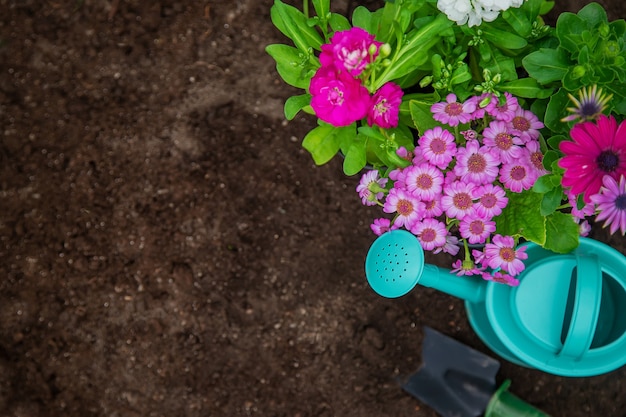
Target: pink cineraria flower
x=451 y=112
x=337 y=98
x=535 y=157
x=476 y=164
x=584 y=228
x=431 y=233
x=501 y=277
x=350 y=50
x=451 y=246
x=504 y=111
x=517 y=176
x=597 y=149
x=437 y=146
x=371 y=188
x=611 y=203
x=501 y=253
x=476 y=229
x=408 y=208
x=385 y=106
x=380 y=226
x=457 y=200
x=525 y=124
x=424 y=181
x=433 y=207
x=587 y=209
x=465 y=268
x=498 y=136
x=491 y=199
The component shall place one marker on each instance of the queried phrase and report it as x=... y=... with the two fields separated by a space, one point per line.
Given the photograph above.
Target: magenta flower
x=457 y=200
x=502 y=254
x=517 y=176
x=611 y=203
x=437 y=146
x=597 y=149
x=380 y=226
x=501 y=277
x=431 y=233
x=337 y=98
x=385 y=106
x=504 y=111
x=452 y=112
x=491 y=199
x=498 y=137
x=371 y=188
x=424 y=181
x=350 y=50
x=476 y=229
x=408 y=208
x=476 y=164
x=525 y=124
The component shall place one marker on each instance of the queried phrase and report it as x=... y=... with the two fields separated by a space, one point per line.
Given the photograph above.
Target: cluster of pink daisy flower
x=456 y=183
x=339 y=92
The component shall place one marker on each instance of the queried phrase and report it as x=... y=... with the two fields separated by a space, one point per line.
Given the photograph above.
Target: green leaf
x=526 y=88
x=322 y=8
x=551 y=201
x=521 y=218
x=323 y=142
x=556 y=110
x=593 y=14
x=294 y=104
x=294 y=24
x=363 y=18
x=568 y=27
x=503 y=39
x=543 y=184
x=289 y=64
x=562 y=233
x=554 y=141
x=518 y=21
x=356 y=158
x=422 y=116
x=546 y=65
x=338 y=22
x=503 y=65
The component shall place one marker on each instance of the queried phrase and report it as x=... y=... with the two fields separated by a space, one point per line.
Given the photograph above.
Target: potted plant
x=470 y=123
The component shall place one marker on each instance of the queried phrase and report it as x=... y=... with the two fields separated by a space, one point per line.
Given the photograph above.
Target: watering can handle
x=586 y=307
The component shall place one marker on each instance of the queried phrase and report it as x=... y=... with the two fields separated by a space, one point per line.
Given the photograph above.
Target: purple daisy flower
x=611 y=203
x=424 y=181
x=457 y=200
x=409 y=209
x=476 y=164
x=499 y=138
x=501 y=253
x=438 y=146
x=517 y=176
x=431 y=233
x=491 y=199
x=451 y=112
x=476 y=229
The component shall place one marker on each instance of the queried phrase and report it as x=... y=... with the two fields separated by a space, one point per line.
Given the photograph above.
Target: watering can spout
x=395 y=264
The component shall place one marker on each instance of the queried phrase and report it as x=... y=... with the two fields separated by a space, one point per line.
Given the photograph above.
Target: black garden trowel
x=458 y=381
x=454 y=379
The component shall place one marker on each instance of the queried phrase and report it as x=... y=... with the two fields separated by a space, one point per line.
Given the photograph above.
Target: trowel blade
x=454 y=379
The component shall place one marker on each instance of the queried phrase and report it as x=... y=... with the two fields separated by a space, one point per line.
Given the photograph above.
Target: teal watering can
x=567 y=316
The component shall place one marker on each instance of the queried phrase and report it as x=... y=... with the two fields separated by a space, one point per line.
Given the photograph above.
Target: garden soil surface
x=168 y=249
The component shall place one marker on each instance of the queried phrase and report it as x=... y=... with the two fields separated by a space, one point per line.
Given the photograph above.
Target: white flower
x=473 y=12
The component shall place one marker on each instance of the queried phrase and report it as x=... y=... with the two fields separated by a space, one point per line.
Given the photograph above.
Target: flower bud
x=578 y=71
x=385 y=50
x=372 y=49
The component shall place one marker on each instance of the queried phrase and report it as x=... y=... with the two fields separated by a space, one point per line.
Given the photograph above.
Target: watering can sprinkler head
x=394 y=263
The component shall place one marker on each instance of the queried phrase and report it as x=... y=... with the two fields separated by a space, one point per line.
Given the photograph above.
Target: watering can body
x=567 y=316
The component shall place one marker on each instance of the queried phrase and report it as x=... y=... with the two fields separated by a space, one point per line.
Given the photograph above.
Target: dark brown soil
x=168 y=249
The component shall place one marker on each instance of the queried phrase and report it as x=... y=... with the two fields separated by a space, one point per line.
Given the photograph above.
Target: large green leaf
x=294 y=24
x=526 y=88
x=422 y=116
x=546 y=65
x=323 y=142
x=521 y=217
x=296 y=103
x=503 y=39
x=562 y=233
x=356 y=156
x=289 y=64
